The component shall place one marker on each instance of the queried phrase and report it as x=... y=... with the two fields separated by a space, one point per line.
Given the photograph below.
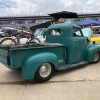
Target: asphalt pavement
x=81 y=83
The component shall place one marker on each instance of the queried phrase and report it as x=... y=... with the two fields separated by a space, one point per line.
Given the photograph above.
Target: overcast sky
x=31 y=7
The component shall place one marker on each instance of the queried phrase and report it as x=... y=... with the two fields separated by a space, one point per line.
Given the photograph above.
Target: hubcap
x=96 y=57
x=45 y=70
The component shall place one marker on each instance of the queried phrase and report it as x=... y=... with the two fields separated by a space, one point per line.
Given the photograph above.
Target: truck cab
x=72 y=36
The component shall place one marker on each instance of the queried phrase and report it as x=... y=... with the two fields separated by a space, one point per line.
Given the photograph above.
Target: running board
x=72 y=65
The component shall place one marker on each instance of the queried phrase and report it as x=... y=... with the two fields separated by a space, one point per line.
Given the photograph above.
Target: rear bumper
x=5 y=65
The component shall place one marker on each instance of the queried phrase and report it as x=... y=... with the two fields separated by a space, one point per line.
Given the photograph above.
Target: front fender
x=91 y=50
x=33 y=62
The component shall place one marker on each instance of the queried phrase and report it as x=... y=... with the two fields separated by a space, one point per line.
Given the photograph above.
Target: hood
x=87 y=32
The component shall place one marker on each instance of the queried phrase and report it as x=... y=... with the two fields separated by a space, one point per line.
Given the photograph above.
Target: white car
x=2 y=34
x=40 y=34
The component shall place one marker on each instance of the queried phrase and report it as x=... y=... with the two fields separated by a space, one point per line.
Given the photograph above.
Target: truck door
x=79 y=44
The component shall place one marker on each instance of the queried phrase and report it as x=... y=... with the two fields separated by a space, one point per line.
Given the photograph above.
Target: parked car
x=95 y=34
x=2 y=34
x=41 y=34
x=10 y=31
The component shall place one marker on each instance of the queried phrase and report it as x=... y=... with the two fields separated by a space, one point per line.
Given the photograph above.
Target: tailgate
x=3 y=57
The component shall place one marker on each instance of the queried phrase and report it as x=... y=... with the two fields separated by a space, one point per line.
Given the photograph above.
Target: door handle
x=75 y=40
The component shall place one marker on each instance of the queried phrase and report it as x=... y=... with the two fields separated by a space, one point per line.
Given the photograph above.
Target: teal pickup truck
x=65 y=47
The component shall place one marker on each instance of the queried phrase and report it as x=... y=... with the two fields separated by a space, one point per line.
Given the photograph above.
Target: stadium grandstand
x=18 y=21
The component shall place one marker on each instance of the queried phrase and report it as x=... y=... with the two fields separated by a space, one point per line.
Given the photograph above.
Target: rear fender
x=91 y=52
x=33 y=62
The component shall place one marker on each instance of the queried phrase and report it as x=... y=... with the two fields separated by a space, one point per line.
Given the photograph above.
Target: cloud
x=31 y=7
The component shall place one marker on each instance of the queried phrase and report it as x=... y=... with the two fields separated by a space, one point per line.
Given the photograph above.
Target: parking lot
x=81 y=83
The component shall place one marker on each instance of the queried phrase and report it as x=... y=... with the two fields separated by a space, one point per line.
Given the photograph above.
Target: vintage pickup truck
x=65 y=48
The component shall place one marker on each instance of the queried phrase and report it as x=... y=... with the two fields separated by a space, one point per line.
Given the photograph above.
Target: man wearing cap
x=61 y=20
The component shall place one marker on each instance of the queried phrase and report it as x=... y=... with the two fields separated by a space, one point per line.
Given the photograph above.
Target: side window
x=77 y=32
x=56 y=32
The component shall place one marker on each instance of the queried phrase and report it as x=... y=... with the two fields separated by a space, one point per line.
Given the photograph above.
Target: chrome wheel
x=96 y=58
x=45 y=70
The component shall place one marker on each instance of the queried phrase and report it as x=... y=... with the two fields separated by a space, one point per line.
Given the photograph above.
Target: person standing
x=61 y=20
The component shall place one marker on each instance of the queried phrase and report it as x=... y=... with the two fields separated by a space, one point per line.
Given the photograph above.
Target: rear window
x=56 y=32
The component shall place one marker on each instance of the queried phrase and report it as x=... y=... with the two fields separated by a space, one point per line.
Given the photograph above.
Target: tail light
x=15 y=54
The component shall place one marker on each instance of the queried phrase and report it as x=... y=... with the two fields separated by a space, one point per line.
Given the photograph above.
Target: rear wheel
x=44 y=72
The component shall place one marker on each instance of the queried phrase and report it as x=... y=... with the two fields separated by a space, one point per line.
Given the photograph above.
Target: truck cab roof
x=67 y=29
x=63 y=25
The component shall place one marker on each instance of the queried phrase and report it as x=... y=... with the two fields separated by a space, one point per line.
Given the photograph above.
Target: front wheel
x=96 y=58
x=44 y=72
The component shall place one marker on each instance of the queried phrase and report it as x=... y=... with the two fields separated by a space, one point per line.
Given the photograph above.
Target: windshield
x=38 y=31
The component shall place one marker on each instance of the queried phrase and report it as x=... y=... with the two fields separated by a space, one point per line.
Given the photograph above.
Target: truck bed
x=13 y=56
x=6 y=47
